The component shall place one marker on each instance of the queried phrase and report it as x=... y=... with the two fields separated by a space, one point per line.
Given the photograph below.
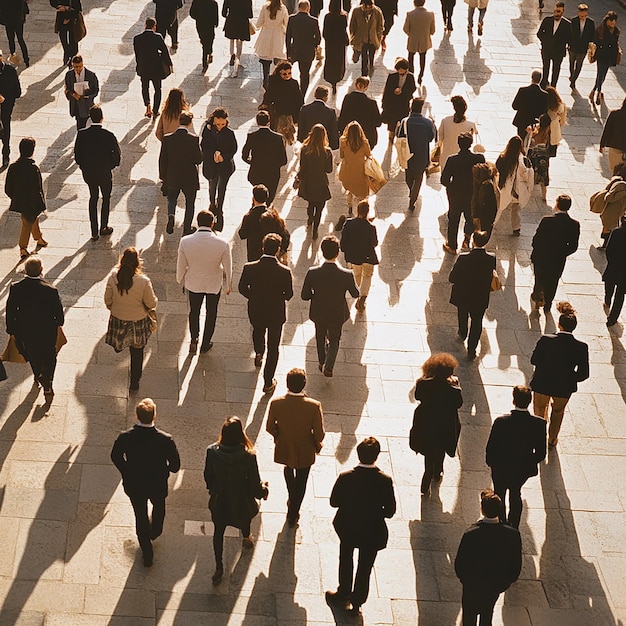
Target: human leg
x=156 y=82
x=540 y=405
x=218 y=542
x=334 y=336
x=190 y=208
x=195 y=304
x=296 y=495
x=212 y=300
x=556 y=419
x=318 y=207
x=415 y=188
x=158 y=516
x=616 y=309
x=320 y=341
x=575 y=66
x=500 y=487
x=550 y=284
x=422 y=67
x=136 y=366
x=428 y=474
x=145 y=91
x=470 y=17
x=106 y=187
x=469 y=607
x=258 y=338
x=142 y=525
x=411 y=60
x=515 y=503
x=6 y=110
x=454 y=218
x=462 y=318
x=476 y=329
x=94 y=194
x=545 y=71
x=266 y=65
x=305 y=70
x=25 y=232
x=357 y=270
x=361 y=588
x=346 y=570
x=274 y=334
x=516 y=217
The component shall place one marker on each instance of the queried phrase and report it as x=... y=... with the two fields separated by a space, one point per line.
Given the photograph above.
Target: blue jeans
x=470 y=15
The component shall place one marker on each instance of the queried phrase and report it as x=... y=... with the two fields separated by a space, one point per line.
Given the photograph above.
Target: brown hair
x=233 y=434
x=316 y=142
x=129 y=266
x=175 y=104
x=354 y=135
x=440 y=366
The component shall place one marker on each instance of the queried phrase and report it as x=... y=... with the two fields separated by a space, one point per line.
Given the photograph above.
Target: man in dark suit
x=488 y=561
x=358 y=106
x=364 y=498
x=267 y=284
x=166 y=16
x=614 y=275
x=561 y=362
x=471 y=285
x=10 y=91
x=145 y=457
x=153 y=64
x=265 y=151
x=555 y=239
x=251 y=229
x=97 y=153
x=33 y=314
x=517 y=443
x=81 y=88
x=325 y=286
x=178 y=169
x=554 y=33
x=302 y=38
x=583 y=32
x=530 y=102
x=318 y=112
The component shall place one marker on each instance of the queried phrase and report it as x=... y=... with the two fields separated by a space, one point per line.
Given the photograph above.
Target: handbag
x=376 y=178
x=61 y=339
x=402 y=148
x=153 y=320
x=166 y=68
x=496 y=283
x=479 y=147
x=251 y=27
x=435 y=155
x=78 y=27
x=296 y=181
x=591 y=52
x=3 y=372
x=11 y=353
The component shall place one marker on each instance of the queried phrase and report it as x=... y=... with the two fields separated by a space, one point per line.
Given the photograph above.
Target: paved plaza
x=70 y=555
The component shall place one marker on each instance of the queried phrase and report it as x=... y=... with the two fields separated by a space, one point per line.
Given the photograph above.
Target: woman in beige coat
x=419 y=25
x=557 y=111
x=353 y=150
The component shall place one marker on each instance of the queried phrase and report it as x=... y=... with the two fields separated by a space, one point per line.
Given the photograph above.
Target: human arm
x=173 y=458
x=149 y=298
x=318 y=428
x=246 y=153
x=389 y=499
x=289 y=37
x=244 y=282
x=209 y=471
x=541 y=438
x=116 y=153
x=329 y=161
x=288 y=290
x=163 y=162
x=94 y=85
x=272 y=423
x=181 y=264
x=432 y=24
x=446 y=175
x=353 y=290
x=159 y=129
x=227 y=264
x=317 y=38
x=108 y=293
x=57 y=309
x=582 y=367
x=307 y=288
x=257 y=488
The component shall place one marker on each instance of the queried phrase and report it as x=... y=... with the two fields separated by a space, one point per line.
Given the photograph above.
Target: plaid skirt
x=122 y=334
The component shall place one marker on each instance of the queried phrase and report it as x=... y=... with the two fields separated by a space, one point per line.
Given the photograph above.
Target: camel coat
x=419 y=25
x=352 y=170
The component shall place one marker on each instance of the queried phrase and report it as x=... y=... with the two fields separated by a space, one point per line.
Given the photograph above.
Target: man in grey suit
x=325 y=286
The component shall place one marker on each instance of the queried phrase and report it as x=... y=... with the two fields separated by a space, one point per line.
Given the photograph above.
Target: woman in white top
x=270 y=42
x=558 y=117
x=451 y=127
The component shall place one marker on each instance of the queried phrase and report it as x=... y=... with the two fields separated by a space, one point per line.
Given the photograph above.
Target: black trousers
x=411 y=61
x=136 y=364
x=43 y=362
x=6 y=110
x=327 y=338
x=367 y=59
x=102 y=185
x=616 y=294
x=433 y=466
x=476 y=325
x=12 y=31
x=274 y=333
x=314 y=210
x=358 y=591
x=455 y=210
x=503 y=483
x=190 y=205
x=304 y=65
x=217 y=194
x=195 y=304
x=146 y=530
x=296 y=480
x=478 y=603
x=556 y=69
x=145 y=92
x=447 y=8
x=414 y=183
x=546 y=282
x=576 y=60
x=219 y=529
x=69 y=43
x=167 y=23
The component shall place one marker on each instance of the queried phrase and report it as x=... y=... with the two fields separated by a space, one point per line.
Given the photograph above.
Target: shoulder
x=163 y=435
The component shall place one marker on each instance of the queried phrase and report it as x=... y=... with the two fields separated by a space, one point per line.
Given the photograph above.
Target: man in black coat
x=251 y=229
x=554 y=33
x=302 y=38
x=471 y=285
x=583 y=31
x=488 y=561
x=265 y=151
x=457 y=178
x=145 y=457
x=614 y=275
x=268 y=285
x=34 y=314
x=10 y=91
x=153 y=64
x=166 y=17
x=517 y=443
x=178 y=169
x=318 y=112
x=614 y=137
x=325 y=286
x=81 y=88
x=555 y=239
x=364 y=498
x=530 y=102
x=561 y=362
x=97 y=153
x=358 y=106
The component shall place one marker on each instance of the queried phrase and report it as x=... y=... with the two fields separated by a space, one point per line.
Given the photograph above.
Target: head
x=77 y=63
x=296 y=380
x=559 y=10
x=321 y=93
x=610 y=20
x=367 y=6
x=95 y=114
x=233 y=434
x=263 y=118
x=419 y=3
x=130 y=264
x=522 y=395
x=33 y=267
x=483 y=171
x=218 y=118
x=465 y=141
x=583 y=11
x=304 y=6
x=185 y=118
x=363 y=209
x=145 y=411
x=362 y=83
x=354 y=136
x=553 y=98
x=334 y=7
x=130 y=258
x=175 y=103
x=567 y=317
x=317 y=140
x=150 y=23
x=368 y=450
x=330 y=247
x=401 y=66
x=284 y=70
x=460 y=107
x=480 y=238
x=563 y=202
x=271 y=244
x=535 y=77
x=205 y=219
x=439 y=366
x=417 y=105
x=260 y=194
x=27 y=147
x=490 y=504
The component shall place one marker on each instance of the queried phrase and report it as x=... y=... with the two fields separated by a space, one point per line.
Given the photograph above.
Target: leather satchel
x=496 y=283
x=78 y=27
x=11 y=353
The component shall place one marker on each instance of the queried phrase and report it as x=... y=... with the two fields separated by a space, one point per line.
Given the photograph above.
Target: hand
x=397 y=91
x=228 y=290
x=1 y=98
x=601 y=148
x=76 y=96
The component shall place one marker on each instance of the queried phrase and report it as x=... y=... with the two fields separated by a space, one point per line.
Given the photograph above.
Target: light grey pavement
x=70 y=556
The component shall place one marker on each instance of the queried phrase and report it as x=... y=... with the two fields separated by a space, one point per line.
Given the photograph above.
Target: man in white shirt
x=203 y=260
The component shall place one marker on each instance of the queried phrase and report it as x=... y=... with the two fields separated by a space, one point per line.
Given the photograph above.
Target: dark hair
x=401 y=64
x=272 y=222
x=205 y=218
x=145 y=410
x=417 y=105
x=334 y=7
x=362 y=81
x=260 y=193
x=567 y=319
x=219 y=112
x=522 y=395
x=603 y=28
x=316 y=142
x=271 y=243
x=509 y=158
x=560 y=4
x=76 y=59
x=95 y=113
x=273 y=8
x=480 y=237
x=233 y=434
x=465 y=140
x=175 y=104
x=283 y=65
x=185 y=118
x=321 y=92
x=460 y=107
x=368 y=450
x=263 y=118
x=150 y=23
x=490 y=503
x=296 y=380
x=33 y=267
x=355 y=137
x=362 y=209
x=620 y=170
x=330 y=247
x=130 y=264
x=439 y=366
x=27 y=147
x=563 y=202
x=554 y=99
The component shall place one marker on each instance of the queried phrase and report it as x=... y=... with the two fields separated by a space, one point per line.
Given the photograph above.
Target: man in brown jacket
x=297 y=425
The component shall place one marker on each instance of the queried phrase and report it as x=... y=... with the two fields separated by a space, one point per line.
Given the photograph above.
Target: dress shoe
x=95 y=237
x=193 y=346
x=480 y=28
x=270 y=388
x=206 y=347
x=232 y=60
x=107 y=230
x=48 y=395
x=216 y=579
x=258 y=360
x=328 y=373
x=335 y=599
x=449 y=249
x=42 y=243
x=24 y=254
x=320 y=367
x=148 y=560
x=552 y=444
x=599 y=97
x=134 y=385
x=169 y=229
x=247 y=543
x=205 y=67
x=610 y=322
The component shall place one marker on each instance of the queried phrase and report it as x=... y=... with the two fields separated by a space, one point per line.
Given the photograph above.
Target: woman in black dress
x=397 y=95
x=335 y=35
x=607 y=49
x=237 y=25
x=205 y=13
x=67 y=14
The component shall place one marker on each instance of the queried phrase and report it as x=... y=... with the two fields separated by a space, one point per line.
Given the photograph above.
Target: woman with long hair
x=335 y=34
x=539 y=152
x=607 y=50
x=130 y=298
x=272 y=222
x=175 y=104
x=484 y=198
x=353 y=150
x=219 y=146
x=453 y=126
x=557 y=112
x=270 y=40
x=436 y=424
x=316 y=162
x=232 y=477
x=237 y=26
x=397 y=95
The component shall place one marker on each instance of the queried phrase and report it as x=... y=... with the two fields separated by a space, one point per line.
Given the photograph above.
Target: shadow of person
x=477 y=73
x=44 y=91
x=445 y=68
x=618 y=358
x=524 y=27
x=582 y=112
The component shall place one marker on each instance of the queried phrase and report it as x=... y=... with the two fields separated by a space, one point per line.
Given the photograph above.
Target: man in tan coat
x=419 y=25
x=297 y=425
x=366 y=33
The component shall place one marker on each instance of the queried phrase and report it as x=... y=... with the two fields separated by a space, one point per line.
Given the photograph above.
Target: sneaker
x=169 y=229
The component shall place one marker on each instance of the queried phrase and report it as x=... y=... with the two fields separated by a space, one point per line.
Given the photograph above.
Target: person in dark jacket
x=357 y=106
x=14 y=15
x=614 y=276
x=555 y=34
x=390 y=10
x=231 y=474
x=606 y=39
x=219 y=146
x=484 y=198
x=166 y=15
x=397 y=95
x=66 y=16
x=206 y=15
x=364 y=499
x=145 y=457
x=24 y=186
x=614 y=137
x=10 y=91
x=583 y=30
x=236 y=14
x=457 y=178
x=530 y=102
x=97 y=153
x=302 y=38
x=318 y=112
x=517 y=443
x=436 y=424
x=471 y=286
x=335 y=34
x=80 y=96
x=488 y=561
x=251 y=229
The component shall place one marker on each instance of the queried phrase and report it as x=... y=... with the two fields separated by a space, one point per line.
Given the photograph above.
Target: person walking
x=34 y=314
x=145 y=457
x=67 y=14
x=204 y=261
x=81 y=88
x=296 y=423
x=608 y=50
x=397 y=95
x=270 y=40
x=447 y=9
x=517 y=443
x=488 y=561
x=484 y=197
x=419 y=26
x=614 y=199
x=10 y=91
x=237 y=14
x=530 y=103
x=614 y=136
x=561 y=362
x=14 y=16
x=452 y=127
x=583 y=31
x=302 y=38
x=130 y=298
x=436 y=425
x=206 y=15
x=268 y=286
x=555 y=34
x=472 y=5
x=336 y=40
x=251 y=229
x=366 y=33
x=325 y=287
x=219 y=146
x=614 y=275
x=354 y=149
x=231 y=474
x=389 y=9
x=169 y=120
x=24 y=186
x=364 y=499
x=166 y=15
x=357 y=106
x=318 y=112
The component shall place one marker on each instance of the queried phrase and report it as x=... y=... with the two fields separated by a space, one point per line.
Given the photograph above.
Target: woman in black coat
x=219 y=145
x=606 y=39
x=232 y=477
x=205 y=12
x=484 y=199
x=335 y=33
x=67 y=14
x=436 y=424
x=14 y=15
x=614 y=275
x=397 y=95
x=237 y=25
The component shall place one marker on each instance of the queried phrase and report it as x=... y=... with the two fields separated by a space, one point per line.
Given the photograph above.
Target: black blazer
x=24 y=186
x=457 y=175
x=13 y=12
x=365 y=498
x=555 y=239
x=96 y=151
x=252 y=231
x=561 y=361
x=265 y=151
x=267 y=284
x=396 y=107
x=213 y=140
x=325 y=286
x=580 y=40
x=554 y=44
x=614 y=131
x=145 y=457
x=282 y=97
x=517 y=442
x=302 y=37
x=471 y=279
x=80 y=108
x=149 y=50
x=615 y=271
x=178 y=161
x=317 y=112
x=358 y=241
x=357 y=106
x=10 y=86
x=531 y=103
